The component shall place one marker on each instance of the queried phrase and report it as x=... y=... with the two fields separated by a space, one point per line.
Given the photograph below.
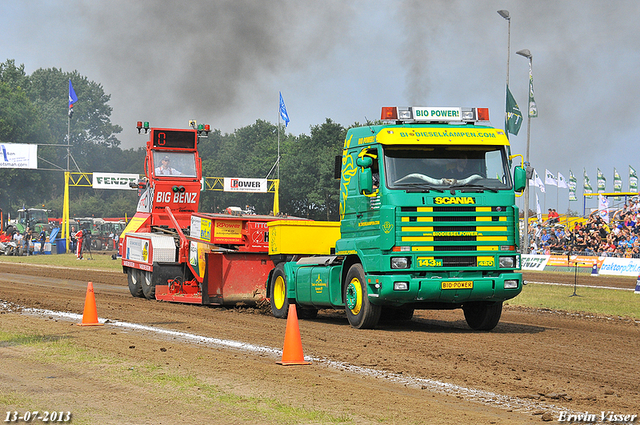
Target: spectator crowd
x=595 y=237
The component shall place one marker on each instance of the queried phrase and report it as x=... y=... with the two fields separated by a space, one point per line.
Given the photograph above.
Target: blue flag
x=72 y=95
x=283 y=111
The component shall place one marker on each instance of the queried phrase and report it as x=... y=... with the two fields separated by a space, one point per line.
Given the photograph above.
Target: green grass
x=94 y=261
x=14 y=398
x=608 y=302
x=49 y=348
x=161 y=382
x=228 y=403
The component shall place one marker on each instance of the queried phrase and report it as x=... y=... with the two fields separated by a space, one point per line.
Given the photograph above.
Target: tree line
x=33 y=109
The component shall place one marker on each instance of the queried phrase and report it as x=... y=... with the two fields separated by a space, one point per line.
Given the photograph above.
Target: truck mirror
x=364 y=162
x=519 y=179
x=365 y=181
x=365 y=175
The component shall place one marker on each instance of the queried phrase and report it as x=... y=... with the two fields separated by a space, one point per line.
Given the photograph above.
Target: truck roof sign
x=434 y=114
x=439 y=114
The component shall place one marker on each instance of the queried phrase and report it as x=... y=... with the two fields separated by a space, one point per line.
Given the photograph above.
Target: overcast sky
x=223 y=62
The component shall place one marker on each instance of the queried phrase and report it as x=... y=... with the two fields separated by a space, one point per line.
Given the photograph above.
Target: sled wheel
x=148 y=287
x=360 y=312
x=135 y=282
x=278 y=293
x=482 y=316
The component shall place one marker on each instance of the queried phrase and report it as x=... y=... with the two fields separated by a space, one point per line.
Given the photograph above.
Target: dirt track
x=534 y=362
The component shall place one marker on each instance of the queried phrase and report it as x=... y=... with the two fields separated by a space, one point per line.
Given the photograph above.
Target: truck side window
x=375 y=170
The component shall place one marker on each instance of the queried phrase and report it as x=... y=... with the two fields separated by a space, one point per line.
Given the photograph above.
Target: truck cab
x=427 y=220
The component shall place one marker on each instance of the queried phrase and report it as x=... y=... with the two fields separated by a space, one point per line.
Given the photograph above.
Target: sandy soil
x=535 y=365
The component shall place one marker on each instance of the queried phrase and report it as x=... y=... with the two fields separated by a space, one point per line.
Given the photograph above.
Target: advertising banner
x=234 y=184
x=620 y=266
x=200 y=228
x=573 y=261
x=114 y=181
x=534 y=262
x=606 y=265
x=138 y=249
x=18 y=155
x=227 y=231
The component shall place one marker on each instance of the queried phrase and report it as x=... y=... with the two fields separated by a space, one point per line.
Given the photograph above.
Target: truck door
x=369 y=182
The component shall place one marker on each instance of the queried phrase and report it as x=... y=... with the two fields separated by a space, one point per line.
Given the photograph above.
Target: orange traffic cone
x=292 y=351
x=90 y=314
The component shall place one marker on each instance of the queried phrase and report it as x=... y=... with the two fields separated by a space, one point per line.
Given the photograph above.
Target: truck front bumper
x=401 y=289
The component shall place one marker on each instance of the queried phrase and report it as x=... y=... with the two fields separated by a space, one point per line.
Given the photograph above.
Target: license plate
x=458 y=284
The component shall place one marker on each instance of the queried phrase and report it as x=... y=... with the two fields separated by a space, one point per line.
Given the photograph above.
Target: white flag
x=539 y=183
x=535 y=179
x=603 y=208
x=538 y=210
x=562 y=183
x=549 y=178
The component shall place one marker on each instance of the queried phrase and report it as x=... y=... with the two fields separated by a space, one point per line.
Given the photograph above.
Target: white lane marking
x=469 y=394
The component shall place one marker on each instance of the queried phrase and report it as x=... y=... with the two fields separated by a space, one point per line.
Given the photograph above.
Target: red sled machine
x=171 y=252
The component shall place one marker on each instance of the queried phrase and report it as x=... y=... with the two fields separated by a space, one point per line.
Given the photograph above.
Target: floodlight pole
x=527 y=54
x=505 y=15
x=65 y=201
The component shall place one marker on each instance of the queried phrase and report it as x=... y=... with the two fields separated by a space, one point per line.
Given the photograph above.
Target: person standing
x=80 y=238
x=27 y=239
x=43 y=239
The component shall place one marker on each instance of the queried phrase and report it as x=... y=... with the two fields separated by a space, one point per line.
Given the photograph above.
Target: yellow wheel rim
x=278 y=292
x=354 y=296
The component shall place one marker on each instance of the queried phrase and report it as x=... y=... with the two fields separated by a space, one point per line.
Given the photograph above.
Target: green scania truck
x=427 y=221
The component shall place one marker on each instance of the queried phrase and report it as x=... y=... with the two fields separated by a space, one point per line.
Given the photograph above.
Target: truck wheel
x=148 y=287
x=360 y=312
x=135 y=282
x=278 y=293
x=482 y=316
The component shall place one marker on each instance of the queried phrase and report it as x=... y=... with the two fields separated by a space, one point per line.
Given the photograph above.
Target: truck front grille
x=461 y=233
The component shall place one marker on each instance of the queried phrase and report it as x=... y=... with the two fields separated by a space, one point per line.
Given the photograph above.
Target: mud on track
x=553 y=361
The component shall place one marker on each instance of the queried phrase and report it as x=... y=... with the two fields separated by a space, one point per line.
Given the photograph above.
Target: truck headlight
x=400 y=286
x=510 y=284
x=507 y=262
x=400 y=262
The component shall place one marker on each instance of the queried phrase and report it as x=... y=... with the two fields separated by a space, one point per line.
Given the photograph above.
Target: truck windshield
x=445 y=167
x=35 y=216
x=180 y=164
